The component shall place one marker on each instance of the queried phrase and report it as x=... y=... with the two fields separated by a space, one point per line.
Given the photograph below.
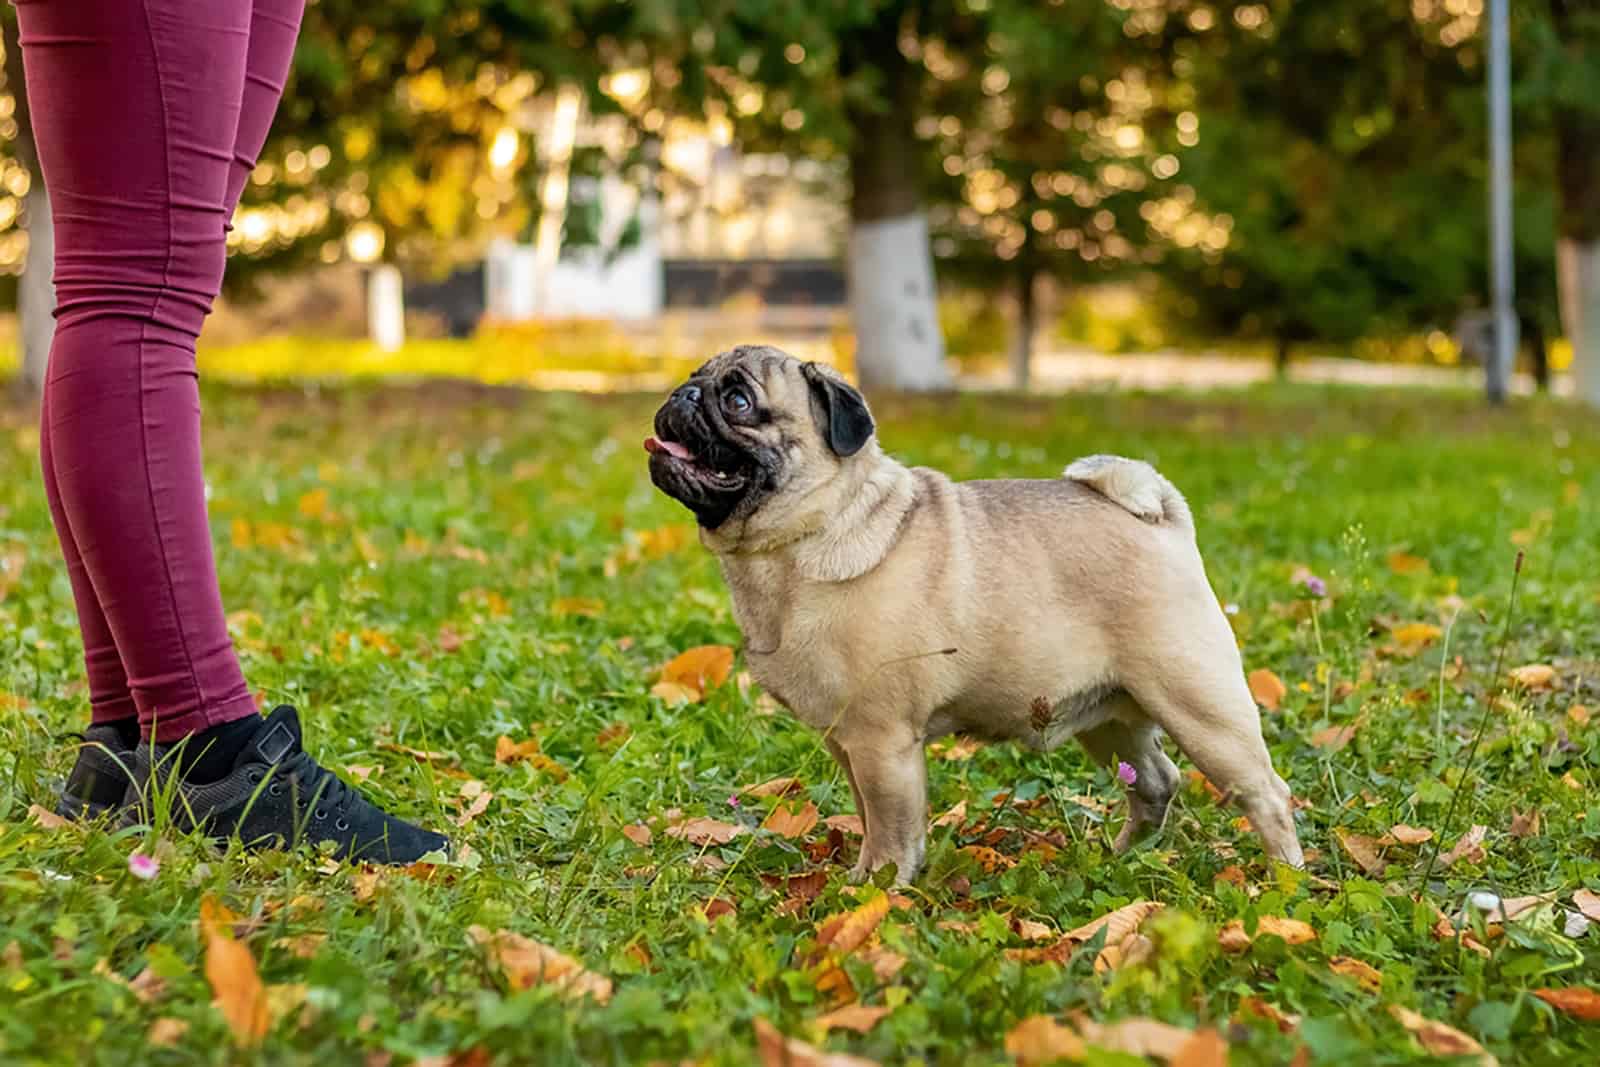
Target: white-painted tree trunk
x=386 y=307
x=36 y=289
x=1578 y=278
x=894 y=306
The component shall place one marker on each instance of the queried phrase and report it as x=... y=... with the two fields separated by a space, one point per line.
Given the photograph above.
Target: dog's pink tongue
x=671 y=448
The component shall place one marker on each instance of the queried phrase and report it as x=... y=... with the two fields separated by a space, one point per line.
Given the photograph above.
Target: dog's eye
x=737 y=402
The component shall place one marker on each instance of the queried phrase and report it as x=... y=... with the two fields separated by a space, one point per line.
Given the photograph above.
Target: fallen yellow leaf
x=1267 y=688
x=857 y=1017
x=776 y=1050
x=1402 y=834
x=789 y=821
x=230 y=969
x=1470 y=846
x=699 y=669
x=587 y=607
x=775 y=787
x=165 y=1032
x=527 y=963
x=1437 y=1038
x=843 y=933
x=1406 y=563
x=703 y=830
x=1364 y=850
x=1588 y=902
x=509 y=751
x=1205 y=1048
x=1413 y=637
x=1039 y=1039
x=1580 y=1002
x=1538 y=677
x=1137 y=1036
x=47 y=818
x=1364 y=973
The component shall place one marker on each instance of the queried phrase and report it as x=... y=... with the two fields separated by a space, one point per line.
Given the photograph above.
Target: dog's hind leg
x=1130 y=737
x=1203 y=704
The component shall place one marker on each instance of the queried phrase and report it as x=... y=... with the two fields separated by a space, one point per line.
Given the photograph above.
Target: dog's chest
x=791 y=644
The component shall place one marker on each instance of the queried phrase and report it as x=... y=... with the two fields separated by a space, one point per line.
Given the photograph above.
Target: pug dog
x=888 y=606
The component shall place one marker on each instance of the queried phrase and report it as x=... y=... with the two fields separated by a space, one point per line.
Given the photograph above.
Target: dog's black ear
x=841 y=412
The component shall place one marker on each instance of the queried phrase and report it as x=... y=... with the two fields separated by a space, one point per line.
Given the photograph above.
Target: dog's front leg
x=891 y=779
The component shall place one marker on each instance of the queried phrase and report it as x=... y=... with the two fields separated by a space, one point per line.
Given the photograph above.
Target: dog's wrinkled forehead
x=763 y=363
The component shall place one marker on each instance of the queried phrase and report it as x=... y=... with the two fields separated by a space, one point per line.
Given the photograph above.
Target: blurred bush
x=976 y=330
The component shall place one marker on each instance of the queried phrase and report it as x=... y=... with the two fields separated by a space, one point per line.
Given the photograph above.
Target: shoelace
x=318 y=786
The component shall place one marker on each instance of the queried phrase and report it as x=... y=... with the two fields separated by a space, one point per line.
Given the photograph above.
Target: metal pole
x=1498 y=370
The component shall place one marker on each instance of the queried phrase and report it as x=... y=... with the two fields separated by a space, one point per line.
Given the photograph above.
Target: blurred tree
x=1324 y=140
x=1041 y=165
x=842 y=79
x=1559 y=90
x=36 y=292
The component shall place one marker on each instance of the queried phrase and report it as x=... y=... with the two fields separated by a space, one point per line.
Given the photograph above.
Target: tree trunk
x=36 y=290
x=1578 y=277
x=1538 y=353
x=1027 y=316
x=893 y=298
x=1280 y=357
x=1578 y=216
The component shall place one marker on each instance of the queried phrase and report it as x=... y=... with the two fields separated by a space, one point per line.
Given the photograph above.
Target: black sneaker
x=277 y=796
x=99 y=779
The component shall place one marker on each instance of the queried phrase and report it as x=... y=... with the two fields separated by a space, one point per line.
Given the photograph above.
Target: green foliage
x=403 y=564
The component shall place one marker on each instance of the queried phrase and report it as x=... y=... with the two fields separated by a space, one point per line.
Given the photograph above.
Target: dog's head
x=751 y=426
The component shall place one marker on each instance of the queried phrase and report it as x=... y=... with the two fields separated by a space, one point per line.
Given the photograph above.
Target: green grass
x=460 y=512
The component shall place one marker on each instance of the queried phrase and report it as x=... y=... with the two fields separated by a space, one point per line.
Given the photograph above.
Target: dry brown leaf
x=847 y=931
x=717 y=907
x=954 y=817
x=775 y=787
x=1413 y=637
x=1232 y=937
x=1536 y=677
x=1137 y=1036
x=1133 y=949
x=1286 y=1022
x=47 y=818
x=849 y=824
x=1118 y=924
x=418 y=754
x=1437 y=1038
x=790 y=821
x=509 y=751
x=638 y=833
x=1580 y=1002
x=703 y=830
x=1232 y=874
x=1029 y=930
x=989 y=859
x=857 y=1017
x=527 y=963
x=1039 y=1039
x=776 y=1050
x=699 y=670
x=1588 y=902
x=1579 y=714
x=359 y=772
x=1402 y=834
x=613 y=734
x=674 y=693
x=1365 y=851
x=885 y=962
x=1364 y=973
x=479 y=804
x=962 y=748
x=1470 y=845
x=1525 y=823
x=1267 y=688
x=165 y=1032
x=1293 y=931
x=303 y=946
x=1333 y=738
x=230 y=968
x=1406 y=563
x=1205 y=1048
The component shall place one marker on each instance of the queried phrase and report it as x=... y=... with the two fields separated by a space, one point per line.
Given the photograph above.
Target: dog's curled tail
x=1134 y=486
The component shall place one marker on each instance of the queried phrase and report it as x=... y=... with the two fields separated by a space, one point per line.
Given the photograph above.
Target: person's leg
x=110 y=701
x=274 y=26
x=136 y=108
